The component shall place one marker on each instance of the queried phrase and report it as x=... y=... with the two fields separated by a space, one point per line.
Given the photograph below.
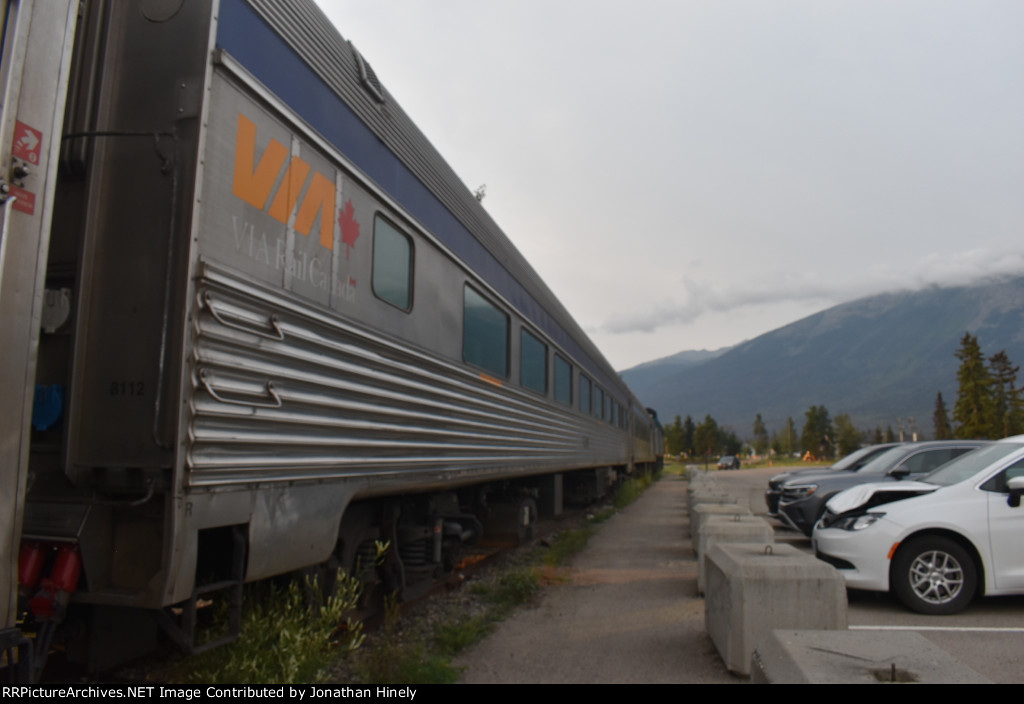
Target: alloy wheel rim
x=936 y=577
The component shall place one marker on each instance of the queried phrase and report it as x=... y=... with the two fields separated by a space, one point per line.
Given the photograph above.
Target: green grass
x=284 y=639
x=568 y=544
x=675 y=468
x=631 y=489
x=396 y=658
x=405 y=658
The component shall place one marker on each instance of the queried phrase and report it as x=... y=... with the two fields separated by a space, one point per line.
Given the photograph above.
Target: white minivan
x=937 y=542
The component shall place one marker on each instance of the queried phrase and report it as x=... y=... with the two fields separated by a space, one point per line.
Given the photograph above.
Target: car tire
x=933 y=575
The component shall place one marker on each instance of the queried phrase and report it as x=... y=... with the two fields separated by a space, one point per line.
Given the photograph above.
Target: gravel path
x=629 y=613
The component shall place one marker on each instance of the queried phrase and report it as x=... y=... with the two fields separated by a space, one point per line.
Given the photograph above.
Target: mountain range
x=880 y=359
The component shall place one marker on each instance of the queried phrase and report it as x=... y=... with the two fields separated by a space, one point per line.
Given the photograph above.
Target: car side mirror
x=899 y=472
x=1016 y=487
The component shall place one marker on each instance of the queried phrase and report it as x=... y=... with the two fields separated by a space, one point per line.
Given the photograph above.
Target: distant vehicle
x=937 y=542
x=804 y=497
x=729 y=462
x=852 y=462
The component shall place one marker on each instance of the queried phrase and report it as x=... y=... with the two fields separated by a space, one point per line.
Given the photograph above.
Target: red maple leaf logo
x=349 y=227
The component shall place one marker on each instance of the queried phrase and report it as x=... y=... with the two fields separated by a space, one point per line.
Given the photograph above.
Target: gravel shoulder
x=628 y=611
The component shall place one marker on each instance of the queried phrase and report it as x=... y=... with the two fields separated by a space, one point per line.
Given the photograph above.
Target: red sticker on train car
x=26 y=200
x=28 y=142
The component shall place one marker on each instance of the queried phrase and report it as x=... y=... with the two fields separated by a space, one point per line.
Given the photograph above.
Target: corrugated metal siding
x=308 y=396
x=310 y=34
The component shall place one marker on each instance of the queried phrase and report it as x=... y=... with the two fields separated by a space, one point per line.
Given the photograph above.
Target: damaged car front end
x=936 y=542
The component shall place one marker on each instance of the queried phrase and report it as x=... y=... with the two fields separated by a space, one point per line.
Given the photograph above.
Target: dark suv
x=729 y=462
x=803 y=498
x=852 y=462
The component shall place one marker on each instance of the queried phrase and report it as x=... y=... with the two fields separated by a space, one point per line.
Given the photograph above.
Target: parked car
x=852 y=462
x=729 y=462
x=937 y=542
x=804 y=497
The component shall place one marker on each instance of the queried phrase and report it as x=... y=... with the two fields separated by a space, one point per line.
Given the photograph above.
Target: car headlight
x=799 y=492
x=856 y=522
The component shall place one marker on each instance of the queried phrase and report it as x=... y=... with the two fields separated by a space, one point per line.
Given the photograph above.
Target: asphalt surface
x=988 y=636
x=628 y=610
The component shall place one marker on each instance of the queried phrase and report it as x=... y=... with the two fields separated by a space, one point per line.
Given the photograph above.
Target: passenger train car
x=256 y=323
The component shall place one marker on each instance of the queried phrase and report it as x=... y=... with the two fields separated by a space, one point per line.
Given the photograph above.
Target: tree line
x=988 y=402
x=988 y=405
x=821 y=436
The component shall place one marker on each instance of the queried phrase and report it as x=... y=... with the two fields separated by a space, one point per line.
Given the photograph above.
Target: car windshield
x=886 y=461
x=966 y=466
x=854 y=458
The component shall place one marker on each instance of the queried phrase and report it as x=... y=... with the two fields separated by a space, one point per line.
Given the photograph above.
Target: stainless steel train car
x=255 y=323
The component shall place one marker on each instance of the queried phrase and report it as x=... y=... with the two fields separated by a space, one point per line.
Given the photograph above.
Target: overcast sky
x=689 y=174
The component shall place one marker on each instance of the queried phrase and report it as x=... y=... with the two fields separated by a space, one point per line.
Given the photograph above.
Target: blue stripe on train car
x=248 y=39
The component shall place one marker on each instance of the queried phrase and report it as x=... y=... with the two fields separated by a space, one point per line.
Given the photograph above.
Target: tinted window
x=392 y=265
x=927 y=461
x=563 y=381
x=584 y=394
x=970 y=464
x=484 y=334
x=533 y=362
x=998 y=482
x=885 y=461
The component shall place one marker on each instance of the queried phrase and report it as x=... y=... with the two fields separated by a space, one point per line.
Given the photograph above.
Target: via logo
x=254 y=183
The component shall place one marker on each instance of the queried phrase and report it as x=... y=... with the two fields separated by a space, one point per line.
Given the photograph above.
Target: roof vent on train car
x=367 y=77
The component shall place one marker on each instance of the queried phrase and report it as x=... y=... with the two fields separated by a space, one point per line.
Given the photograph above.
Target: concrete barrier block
x=729 y=529
x=701 y=512
x=694 y=473
x=751 y=592
x=708 y=496
x=855 y=657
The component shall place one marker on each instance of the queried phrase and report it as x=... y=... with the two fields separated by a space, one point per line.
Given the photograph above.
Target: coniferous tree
x=817 y=436
x=1009 y=408
x=943 y=431
x=674 y=437
x=688 y=430
x=975 y=408
x=705 y=437
x=728 y=442
x=847 y=437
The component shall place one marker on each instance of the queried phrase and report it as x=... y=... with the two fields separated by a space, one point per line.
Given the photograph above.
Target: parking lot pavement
x=988 y=636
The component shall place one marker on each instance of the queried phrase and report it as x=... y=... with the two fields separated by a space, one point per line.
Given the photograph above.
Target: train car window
x=599 y=402
x=584 y=393
x=563 y=380
x=484 y=334
x=533 y=362
x=392 y=265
